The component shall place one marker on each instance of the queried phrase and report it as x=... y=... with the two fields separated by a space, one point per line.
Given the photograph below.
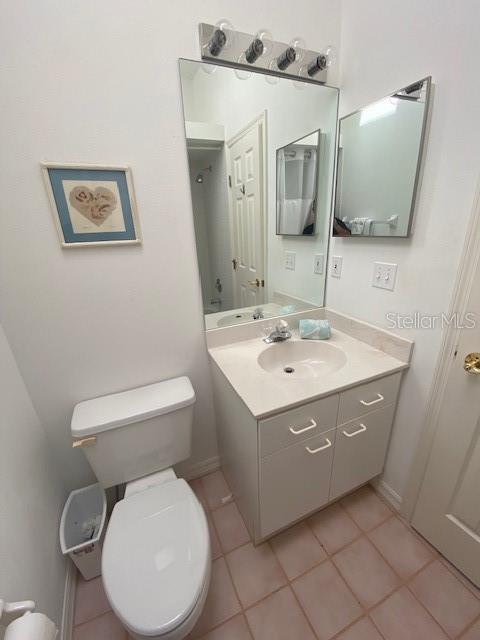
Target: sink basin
x=301 y=360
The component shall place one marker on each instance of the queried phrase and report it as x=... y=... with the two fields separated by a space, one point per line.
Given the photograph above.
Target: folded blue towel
x=289 y=308
x=314 y=329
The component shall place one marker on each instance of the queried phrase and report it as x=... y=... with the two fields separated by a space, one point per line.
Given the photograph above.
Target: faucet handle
x=282 y=326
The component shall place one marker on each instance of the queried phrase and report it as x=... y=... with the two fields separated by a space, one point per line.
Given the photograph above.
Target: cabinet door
x=360 y=450
x=295 y=481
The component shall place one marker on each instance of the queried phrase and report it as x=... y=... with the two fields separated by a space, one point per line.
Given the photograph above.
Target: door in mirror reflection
x=379 y=159
x=235 y=124
x=297 y=177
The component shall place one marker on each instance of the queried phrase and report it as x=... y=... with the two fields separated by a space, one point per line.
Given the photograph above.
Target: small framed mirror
x=379 y=158
x=297 y=180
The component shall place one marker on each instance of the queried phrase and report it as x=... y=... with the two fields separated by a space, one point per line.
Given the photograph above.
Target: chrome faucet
x=258 y=314
x=279 y=334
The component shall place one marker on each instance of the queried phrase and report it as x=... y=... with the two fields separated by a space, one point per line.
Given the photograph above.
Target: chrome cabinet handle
x=355 y=433
x=369 y=404
x=325 y=446
x=296 y=432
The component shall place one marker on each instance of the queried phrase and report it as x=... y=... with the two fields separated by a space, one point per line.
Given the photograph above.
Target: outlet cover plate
x=384 y=275
x=336 y=266
x=290 y=260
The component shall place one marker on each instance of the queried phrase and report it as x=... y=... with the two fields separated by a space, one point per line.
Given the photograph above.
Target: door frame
x=260 y=122
x=464 y=282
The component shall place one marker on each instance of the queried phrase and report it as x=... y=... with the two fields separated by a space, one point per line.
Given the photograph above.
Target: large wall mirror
x=240 y=126
x=379 y=159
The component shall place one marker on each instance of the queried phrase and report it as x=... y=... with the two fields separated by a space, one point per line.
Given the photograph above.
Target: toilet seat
x=156 y=559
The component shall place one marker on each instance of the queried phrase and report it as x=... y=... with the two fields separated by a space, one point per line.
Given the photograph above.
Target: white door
x=448 y=509
x=246 y=152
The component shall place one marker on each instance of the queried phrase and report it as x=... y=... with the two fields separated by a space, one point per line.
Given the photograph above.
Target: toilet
x=156 y=558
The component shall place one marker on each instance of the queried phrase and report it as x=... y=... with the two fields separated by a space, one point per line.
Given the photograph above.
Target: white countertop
x=265 y=393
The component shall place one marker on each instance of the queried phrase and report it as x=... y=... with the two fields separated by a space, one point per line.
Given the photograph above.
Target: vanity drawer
x=295 y=481
x=360 y=449
x=367 y=397
x=297 y=425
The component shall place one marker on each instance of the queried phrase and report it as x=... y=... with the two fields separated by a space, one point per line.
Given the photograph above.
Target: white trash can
x=82 y=529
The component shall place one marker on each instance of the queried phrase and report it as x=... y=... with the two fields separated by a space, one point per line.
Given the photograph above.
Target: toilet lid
x=155 y=557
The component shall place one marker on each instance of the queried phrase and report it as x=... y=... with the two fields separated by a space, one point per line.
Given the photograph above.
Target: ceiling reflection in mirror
x=378 y=167
x=261 y=214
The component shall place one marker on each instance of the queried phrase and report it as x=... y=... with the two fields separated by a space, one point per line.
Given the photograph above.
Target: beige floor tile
x=215 y=547
x=366 y=508
x=406 y=553
x=215 y=489
x=473 y=633
x=402 y=617
x=255 y=572
x=90 y=600
x=222 y=602
x=231 y=529
x=105 y=627
x=279 y=617
x=364 y=629
x=449 y=602
x=297 y=550
x=327 y=601
x=334 y=528
x=366 y=572
x=234 y=629
x=197 y=487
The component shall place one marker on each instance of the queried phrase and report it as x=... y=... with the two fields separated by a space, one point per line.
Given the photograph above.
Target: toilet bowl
x=156 y=559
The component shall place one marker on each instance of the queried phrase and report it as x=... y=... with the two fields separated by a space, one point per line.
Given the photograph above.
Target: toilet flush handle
x=84 y=442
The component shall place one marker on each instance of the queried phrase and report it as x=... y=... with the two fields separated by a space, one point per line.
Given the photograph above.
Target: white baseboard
x=386 y=491
x=190 y=472
x=68 y=611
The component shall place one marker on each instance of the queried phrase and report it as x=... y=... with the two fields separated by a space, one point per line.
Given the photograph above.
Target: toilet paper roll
x=31 y=626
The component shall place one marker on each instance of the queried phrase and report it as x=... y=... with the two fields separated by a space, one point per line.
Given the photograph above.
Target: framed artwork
x=92 y=205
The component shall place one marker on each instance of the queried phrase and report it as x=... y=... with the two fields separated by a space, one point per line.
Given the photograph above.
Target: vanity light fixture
x=244 y=52
x=322 y=61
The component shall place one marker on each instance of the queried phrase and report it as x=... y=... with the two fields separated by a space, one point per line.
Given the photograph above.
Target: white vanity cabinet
x=286 y=466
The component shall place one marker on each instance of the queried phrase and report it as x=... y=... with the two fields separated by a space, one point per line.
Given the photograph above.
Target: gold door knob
x=471 y=364
x=257 y=282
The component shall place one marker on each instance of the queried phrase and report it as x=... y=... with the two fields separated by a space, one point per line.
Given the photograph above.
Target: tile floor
x=353 y=571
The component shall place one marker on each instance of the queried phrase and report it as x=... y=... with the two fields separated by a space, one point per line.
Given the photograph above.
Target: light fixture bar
x=242 y=42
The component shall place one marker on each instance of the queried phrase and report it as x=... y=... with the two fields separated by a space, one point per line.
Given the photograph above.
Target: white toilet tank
x=130 y=434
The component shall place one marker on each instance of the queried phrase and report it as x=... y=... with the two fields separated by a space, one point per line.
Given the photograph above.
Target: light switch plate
x=290 y=260
x=318 y=260
x=384 y=275
x=336 y=266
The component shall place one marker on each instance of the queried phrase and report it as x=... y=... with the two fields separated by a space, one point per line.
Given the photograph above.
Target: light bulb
x=321 y=62
x=293 y=53
x=260 y=46
x=222 y=39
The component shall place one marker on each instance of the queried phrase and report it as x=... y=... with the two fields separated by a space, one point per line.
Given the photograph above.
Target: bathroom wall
x=98 y=82
x=31 y=499
x=385 y=46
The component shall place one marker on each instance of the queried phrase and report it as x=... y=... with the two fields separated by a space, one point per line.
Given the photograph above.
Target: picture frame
x=92 y=205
